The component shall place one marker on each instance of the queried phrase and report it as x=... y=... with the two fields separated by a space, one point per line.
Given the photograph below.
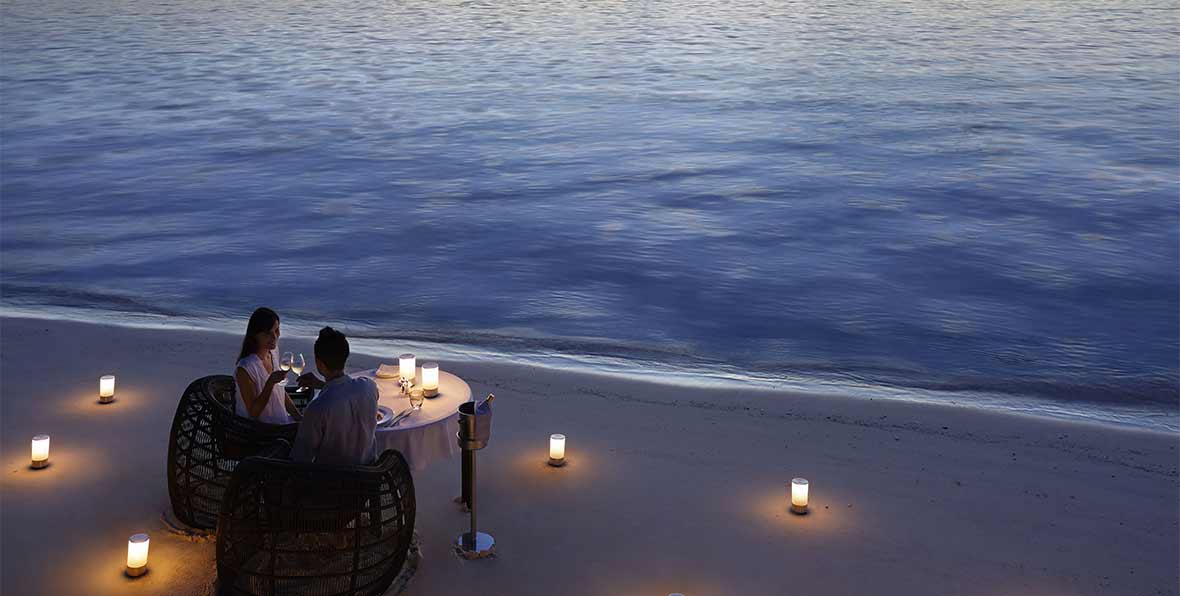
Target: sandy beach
x=668 y=489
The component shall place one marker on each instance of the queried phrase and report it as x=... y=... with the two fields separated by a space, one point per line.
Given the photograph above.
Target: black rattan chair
x=314 y=530
x=300 y=396
x=208 y=440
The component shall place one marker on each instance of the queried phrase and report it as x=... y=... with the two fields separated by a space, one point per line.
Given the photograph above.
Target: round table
x=428 y=435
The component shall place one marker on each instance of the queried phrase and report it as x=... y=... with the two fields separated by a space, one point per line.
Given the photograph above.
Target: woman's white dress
x=275 y=411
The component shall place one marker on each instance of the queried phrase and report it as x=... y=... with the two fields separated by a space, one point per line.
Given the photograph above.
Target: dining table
x=427 y=435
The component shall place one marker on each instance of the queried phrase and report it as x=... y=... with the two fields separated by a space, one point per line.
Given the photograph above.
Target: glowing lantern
x=430 y=379
x=406 y=363
x=799 y=496
x=40 y=451
x=137 y=555
x=106 y=389
x=557 y=450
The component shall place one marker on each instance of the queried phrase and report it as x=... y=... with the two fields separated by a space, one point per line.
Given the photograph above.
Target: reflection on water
x=978 y=198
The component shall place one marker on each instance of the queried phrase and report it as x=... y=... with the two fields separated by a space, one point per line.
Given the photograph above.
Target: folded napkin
x=389 y=371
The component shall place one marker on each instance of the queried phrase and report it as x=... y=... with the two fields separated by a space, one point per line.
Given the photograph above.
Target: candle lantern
x=430 y=379
x=40 y=451
x=406 y=363
x=106 y=389
x=137 y=555
x=799 y=496
x=557 y=450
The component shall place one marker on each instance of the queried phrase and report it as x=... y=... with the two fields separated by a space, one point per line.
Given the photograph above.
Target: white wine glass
x=285 y=363
x=297 y=365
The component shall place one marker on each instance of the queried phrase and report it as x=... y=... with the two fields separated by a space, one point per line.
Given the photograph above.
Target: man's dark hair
x=331 y=348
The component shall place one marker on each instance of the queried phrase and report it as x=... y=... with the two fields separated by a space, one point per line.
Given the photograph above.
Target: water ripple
x=973 y=198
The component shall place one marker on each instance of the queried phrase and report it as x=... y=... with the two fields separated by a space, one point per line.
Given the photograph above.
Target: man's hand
x=310 y=380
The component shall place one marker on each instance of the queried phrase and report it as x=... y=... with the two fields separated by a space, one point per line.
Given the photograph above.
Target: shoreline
x=1113 y=414
x=668 y=489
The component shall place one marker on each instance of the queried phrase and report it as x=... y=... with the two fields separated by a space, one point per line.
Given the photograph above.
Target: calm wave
x=957 y=199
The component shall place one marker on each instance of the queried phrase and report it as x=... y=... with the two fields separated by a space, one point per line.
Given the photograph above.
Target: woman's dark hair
x=262 y=320
x=331 y=348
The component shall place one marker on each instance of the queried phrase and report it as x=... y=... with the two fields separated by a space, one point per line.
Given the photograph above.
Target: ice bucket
x=475 y=428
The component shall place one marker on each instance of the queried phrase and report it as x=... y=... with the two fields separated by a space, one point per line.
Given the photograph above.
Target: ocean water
x=965 y=201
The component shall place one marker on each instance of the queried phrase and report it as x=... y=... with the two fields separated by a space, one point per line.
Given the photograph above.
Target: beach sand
x=668 y=489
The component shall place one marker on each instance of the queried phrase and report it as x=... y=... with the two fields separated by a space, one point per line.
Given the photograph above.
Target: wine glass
x=285 y=363
x=416 y=398
x=297 y=364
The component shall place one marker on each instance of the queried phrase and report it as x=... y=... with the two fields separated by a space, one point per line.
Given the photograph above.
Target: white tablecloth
x=428 y=435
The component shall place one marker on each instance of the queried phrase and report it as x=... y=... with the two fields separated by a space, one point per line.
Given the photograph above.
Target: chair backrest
x=240 y=437
x=223 y=389
x=301 y=396
x=206 y=442
x=298 y=528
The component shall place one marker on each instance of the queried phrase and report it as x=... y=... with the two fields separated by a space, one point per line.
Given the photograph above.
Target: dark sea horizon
x=975 y=203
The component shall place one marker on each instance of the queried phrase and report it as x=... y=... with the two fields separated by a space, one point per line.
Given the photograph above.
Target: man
x=338 y=425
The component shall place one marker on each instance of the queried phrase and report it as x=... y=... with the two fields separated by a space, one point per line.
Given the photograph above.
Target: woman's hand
x=276 y=377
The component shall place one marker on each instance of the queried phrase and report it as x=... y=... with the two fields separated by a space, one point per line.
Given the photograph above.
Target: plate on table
x=384 y=415
x=388 y=371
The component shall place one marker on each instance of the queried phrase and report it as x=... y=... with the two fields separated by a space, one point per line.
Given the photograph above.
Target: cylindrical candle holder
x=557 y=450
x=430 y=379
x=137 y=555
x=106 y=389
x=406 y=363
x=39 y=452
x=799 y=496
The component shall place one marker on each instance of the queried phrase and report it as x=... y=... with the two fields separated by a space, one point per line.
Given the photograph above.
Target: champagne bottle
x=485 y=403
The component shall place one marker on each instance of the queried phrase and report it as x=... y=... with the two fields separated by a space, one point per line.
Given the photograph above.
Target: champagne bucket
x=475 y=428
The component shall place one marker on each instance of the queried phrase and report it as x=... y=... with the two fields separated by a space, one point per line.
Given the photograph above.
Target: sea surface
x=975 y=202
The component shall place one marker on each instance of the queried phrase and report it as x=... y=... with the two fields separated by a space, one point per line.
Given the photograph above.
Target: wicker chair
x=300 y=396
x=208 y=440
x=314 y=530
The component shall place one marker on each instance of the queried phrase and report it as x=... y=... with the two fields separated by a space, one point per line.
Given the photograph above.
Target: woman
x=261 y=395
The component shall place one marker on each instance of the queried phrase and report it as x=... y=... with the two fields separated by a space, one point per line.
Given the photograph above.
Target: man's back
x=338 y=425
